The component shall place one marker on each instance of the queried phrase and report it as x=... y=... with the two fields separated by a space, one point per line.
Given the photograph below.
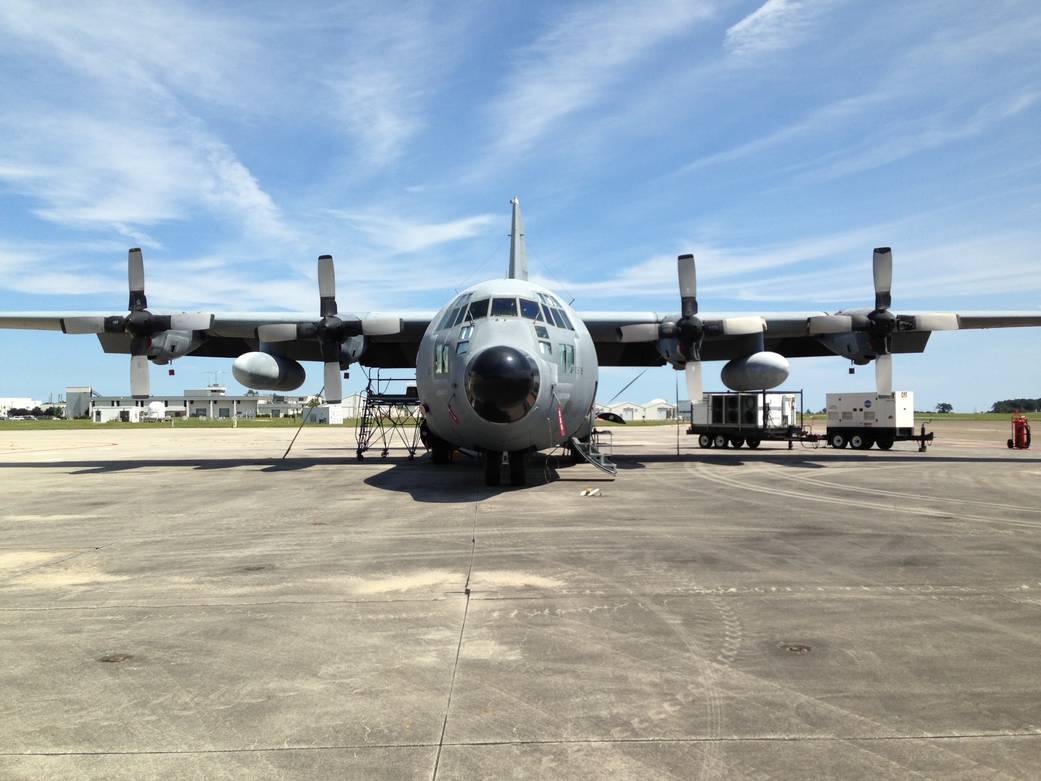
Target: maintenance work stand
x=392 y=413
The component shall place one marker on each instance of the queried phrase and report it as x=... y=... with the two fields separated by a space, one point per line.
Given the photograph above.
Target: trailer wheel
x=719 y=441
x=736 y=442
x=885 y=443
x=752 y=442
x=704 y=440
x=1011 y=444
x=860 y=441
x=838 y=441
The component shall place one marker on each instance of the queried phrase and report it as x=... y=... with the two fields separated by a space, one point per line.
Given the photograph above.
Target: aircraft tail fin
x=518 y=252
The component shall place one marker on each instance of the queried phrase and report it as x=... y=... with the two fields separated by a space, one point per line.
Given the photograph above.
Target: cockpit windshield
x=504 y=307
x=546 y=310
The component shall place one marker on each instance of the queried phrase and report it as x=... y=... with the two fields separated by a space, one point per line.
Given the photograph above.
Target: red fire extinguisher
x=1020 y=432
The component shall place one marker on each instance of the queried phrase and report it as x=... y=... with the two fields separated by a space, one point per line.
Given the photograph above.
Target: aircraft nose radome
x=502 y=384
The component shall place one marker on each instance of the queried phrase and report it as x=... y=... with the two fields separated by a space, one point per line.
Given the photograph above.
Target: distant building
x=209 y=402
x=656 y=409
x=335 y=414
x=77 y=401
x=8 y=403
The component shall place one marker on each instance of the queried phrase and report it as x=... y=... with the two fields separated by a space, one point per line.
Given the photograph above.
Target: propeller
x=330 y=330
x=689 y=330
x=881 y=321
x=140 y=324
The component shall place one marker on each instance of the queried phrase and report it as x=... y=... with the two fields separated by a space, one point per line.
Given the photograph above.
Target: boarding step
x=592 y=453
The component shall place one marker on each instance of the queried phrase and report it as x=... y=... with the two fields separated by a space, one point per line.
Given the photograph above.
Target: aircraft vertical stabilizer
x=518 y=252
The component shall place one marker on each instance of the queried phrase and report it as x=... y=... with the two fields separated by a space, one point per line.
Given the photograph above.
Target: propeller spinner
x=140 y=324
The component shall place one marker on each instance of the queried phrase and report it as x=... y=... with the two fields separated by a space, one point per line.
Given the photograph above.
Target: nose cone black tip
x=502 y=384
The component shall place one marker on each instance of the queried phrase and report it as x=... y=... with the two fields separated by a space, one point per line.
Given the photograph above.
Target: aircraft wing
x=232 y=333
x=630 y=338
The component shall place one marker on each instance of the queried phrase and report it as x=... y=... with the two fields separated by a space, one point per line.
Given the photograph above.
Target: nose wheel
x=492 y=467
x=492 y=461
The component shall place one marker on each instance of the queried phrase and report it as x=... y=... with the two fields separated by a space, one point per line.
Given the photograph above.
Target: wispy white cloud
x=388 y=67
x=920 y=136
x=578 y=63
x=116 y=149
x=776 y=25
x=398 y=235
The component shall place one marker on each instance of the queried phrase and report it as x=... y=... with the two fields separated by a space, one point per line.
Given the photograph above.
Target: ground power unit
x=861 y=420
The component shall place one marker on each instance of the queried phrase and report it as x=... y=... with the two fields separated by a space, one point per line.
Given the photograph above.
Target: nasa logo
x=867 y=403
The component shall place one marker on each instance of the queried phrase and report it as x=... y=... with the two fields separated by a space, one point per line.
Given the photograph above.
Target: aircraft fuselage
x=507 y=366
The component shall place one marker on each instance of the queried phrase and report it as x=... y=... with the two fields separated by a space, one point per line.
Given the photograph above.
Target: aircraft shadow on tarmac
x=458 y=481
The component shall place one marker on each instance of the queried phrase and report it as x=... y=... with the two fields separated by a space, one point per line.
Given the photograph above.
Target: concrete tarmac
x=180 y=603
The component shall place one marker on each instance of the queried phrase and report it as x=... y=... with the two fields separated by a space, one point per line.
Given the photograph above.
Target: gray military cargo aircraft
x=507 y=366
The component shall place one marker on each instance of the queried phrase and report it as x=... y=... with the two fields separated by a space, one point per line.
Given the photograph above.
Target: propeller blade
x=739 y=326
x=688 y=277
x=695 y=388
x=884 y=374
x=829 y=324
x=381 y=326
x=938 y=321
x=638 y=332
x=136 y=280
x=333 y=383
x=139 y=381
x=882 y=268
x=191 y=321
x=277 y=332
x=83 y=325
x=326 y=286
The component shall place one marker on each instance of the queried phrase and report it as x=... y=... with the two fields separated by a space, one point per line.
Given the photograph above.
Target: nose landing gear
x=493 y=467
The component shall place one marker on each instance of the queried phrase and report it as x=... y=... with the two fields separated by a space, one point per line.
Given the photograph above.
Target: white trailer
x=731 y=419
x=865 y=419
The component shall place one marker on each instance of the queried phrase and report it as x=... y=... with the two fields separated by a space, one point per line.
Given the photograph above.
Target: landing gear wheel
x=518 y=468
x=884 y=443
x=704 y=440
x=860 y=442
x=838 y=441
x=736 y=442
x=492 y=467
x=752 y=442
x=720 y=441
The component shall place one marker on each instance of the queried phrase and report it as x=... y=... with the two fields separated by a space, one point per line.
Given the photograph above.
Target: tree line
x=1017 y=405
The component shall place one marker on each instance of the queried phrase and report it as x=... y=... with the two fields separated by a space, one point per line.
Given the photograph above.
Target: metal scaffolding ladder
x=593 y=452
x=392 y=413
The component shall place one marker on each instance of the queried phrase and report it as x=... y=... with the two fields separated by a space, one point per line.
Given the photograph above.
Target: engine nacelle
x=166 y=346
x=262 y=371
x=759 y=371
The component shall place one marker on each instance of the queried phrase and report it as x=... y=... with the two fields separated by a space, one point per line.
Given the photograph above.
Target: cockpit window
x=564 y=317
x=530 y=309
x=504 y=307
x=449 y=318
x=557 y=318
x=460 y=316
x=478 y=309
x=453 y=311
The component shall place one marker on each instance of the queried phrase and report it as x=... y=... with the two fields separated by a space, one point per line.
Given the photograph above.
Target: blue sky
x=779 y=141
